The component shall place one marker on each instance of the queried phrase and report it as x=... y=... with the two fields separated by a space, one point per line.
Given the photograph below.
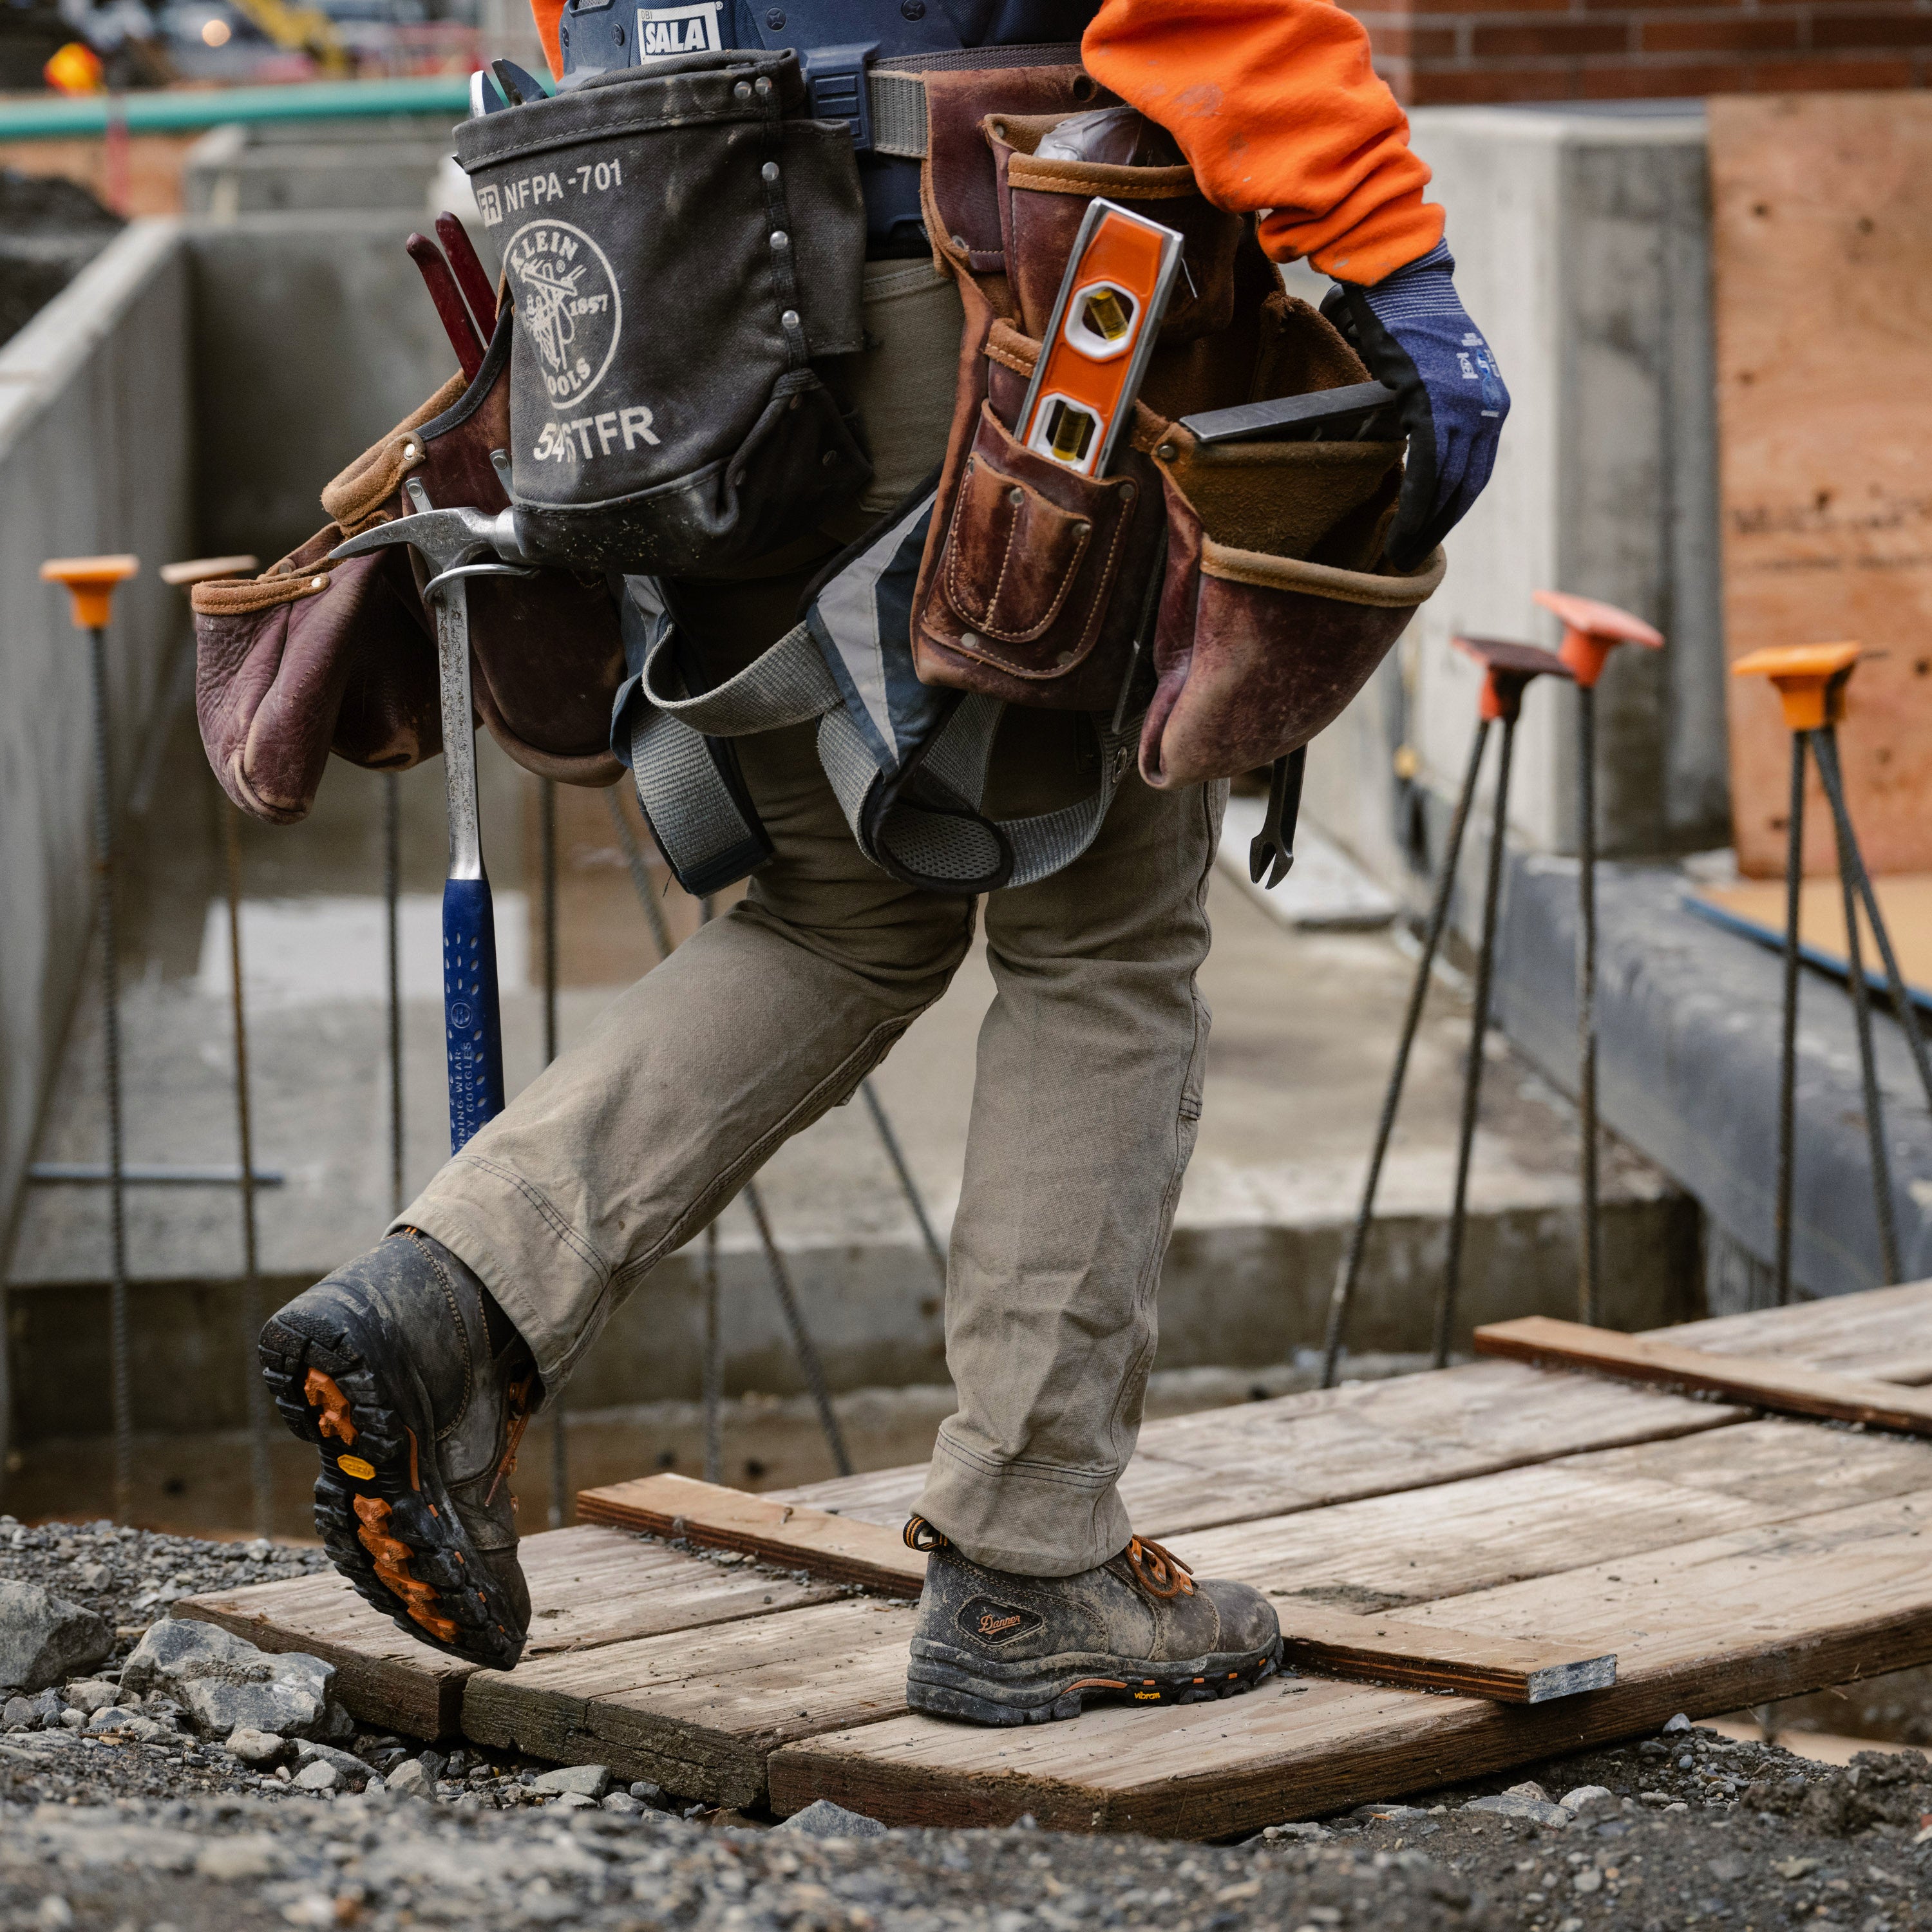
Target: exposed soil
x=167 y=1830
x=49 y=230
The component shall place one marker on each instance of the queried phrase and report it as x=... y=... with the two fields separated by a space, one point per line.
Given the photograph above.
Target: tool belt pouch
x=313 y=657
x=1039 y=585
x=680 y=241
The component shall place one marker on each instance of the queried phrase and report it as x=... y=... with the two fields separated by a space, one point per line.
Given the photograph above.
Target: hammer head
x=445 y=537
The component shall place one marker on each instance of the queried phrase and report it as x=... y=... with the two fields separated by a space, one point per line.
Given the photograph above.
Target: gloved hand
x=1413 y=332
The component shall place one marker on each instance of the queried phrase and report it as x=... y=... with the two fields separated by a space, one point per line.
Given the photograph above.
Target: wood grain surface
x=1722 y=1556
x=588 y=1586
x=1822 y=246
x=700 y=1712
x=1761 y=1380
x=834 y=1548
x=1704 y=1627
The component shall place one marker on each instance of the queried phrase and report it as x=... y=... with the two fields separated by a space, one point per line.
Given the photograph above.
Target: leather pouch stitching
x=957 y=593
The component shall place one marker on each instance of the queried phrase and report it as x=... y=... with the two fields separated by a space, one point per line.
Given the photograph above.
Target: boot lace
x=1160 y=1573
x=519 y=1396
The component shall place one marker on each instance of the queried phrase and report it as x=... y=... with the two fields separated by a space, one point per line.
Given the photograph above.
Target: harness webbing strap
x=896 y=93
x=937 y=838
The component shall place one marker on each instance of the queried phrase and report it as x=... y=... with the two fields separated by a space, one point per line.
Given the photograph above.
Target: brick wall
x=1434 y=52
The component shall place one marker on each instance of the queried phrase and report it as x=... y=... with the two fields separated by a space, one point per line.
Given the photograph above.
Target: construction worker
x=416 y=1366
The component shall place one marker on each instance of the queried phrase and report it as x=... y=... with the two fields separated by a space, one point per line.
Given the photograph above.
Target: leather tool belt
x=1238 y=595
x=313 y=657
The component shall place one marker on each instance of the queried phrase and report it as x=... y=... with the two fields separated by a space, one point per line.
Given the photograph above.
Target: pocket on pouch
x=1031 y=558
x=1012 y=555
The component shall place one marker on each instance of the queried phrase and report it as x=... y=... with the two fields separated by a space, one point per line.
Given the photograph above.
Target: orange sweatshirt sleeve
x=1275 y=104
x=548 y=14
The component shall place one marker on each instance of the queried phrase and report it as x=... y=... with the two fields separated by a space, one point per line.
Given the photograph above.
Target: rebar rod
x=1873 y=1098
x=261 y=1476
x=1787 y=1065
x=1341 y=1300
x=714 y=1364
x=1472 y=1081
x=806 y=1349
x=640 y=876
x=896 y=1155
x=1903 y=1010
x=120 y=1366
x=1590 y=1272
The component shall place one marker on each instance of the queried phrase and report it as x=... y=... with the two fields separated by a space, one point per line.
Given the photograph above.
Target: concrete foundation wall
x=1582 y=241
x=96 y=431
x=313 y=336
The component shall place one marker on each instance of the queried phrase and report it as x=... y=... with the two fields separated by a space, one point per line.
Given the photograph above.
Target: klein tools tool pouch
x=1038 y=583
x=682 y=240
x=314 y=657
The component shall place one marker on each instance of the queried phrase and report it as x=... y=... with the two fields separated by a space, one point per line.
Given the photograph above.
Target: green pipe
x=171 y=111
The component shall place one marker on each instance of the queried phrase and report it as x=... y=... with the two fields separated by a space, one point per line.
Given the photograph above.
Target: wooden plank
x=1884 y=1333
x=701 y=1713
x=1195 y=1470
x=1756 y=910
x=1821 y=240
x=588 y=1586
x=1396 y=1650
x=1391 y=1554
x=793 y=1535
x=1329 y=1446
x=1704 y=1627
x=1782 y=1386
x=699 y=1716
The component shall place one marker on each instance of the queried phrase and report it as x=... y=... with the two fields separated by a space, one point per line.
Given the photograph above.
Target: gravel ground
x=139 y=1833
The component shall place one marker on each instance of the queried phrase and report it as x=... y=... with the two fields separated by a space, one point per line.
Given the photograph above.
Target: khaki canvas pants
x=1086 y=1098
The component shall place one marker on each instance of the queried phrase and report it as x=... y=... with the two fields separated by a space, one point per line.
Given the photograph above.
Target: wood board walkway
x=1725 y=1556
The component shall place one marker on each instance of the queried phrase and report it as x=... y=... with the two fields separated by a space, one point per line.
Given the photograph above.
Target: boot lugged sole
x=945 y=1682
x=381 y=1510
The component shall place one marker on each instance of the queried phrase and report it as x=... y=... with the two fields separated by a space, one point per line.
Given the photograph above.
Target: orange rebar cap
x=1810 y=679
x=90 y=582
x=207 y=569
x=1507 y=666
x=1591 y=631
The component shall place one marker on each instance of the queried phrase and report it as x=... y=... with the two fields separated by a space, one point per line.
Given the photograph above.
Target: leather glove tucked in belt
x=1412 y=330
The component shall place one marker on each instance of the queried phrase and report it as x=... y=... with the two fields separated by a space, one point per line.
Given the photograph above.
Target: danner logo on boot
x=567 y=304
x=991 y=1621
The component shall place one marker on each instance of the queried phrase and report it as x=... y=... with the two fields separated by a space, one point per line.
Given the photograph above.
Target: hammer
x=458 y=544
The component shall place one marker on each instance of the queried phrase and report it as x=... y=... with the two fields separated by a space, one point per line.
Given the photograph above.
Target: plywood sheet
x=1766 y=1384
x=1821 y=240
x=588 y=1587
x=1703 y=1627
x=1756 y=910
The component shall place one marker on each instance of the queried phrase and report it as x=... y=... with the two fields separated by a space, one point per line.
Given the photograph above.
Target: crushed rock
x=113 y=1813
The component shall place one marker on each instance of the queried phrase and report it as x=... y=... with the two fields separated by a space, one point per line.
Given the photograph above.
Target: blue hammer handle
x=472 y=1011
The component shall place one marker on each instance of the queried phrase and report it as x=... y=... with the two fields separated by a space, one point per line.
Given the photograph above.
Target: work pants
x=1086 y=1098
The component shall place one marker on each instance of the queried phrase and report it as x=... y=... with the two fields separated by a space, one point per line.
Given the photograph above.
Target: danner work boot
x=998 y=1648
x=392 y=1368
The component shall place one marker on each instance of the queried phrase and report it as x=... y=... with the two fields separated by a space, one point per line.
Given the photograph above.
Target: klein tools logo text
x=568 y=303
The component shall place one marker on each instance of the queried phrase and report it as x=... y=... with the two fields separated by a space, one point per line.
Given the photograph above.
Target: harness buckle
x=836 y=78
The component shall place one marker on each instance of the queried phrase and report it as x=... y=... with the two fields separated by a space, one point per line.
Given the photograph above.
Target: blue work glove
x=1412 y=331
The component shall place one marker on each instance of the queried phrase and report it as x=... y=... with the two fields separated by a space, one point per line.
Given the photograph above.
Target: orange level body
x=1103 y=332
